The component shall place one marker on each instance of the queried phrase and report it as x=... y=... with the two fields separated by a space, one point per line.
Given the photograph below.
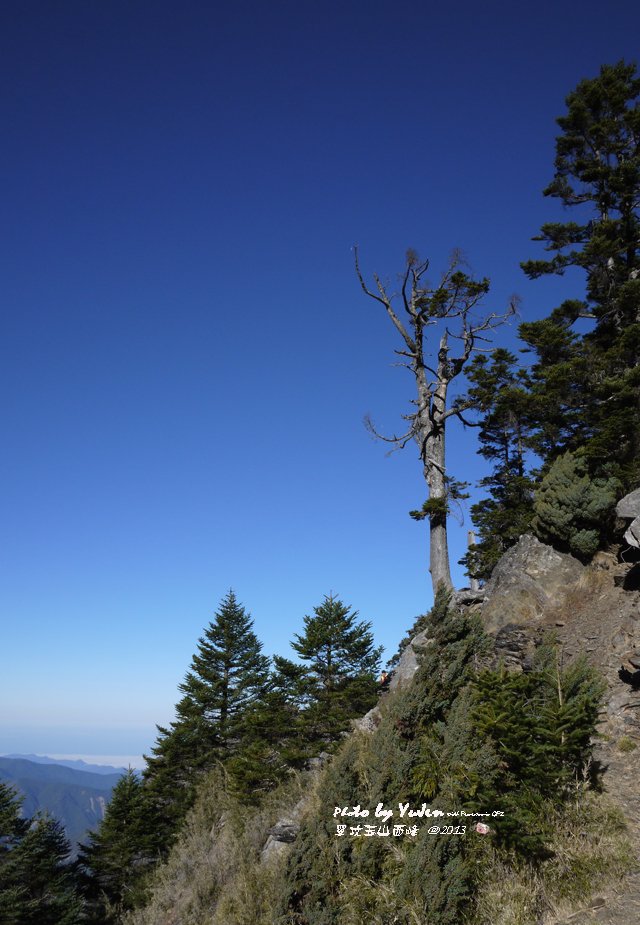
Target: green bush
x=573 y=509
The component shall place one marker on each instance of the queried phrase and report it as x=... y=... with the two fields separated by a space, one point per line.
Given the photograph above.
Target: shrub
x=572 y=508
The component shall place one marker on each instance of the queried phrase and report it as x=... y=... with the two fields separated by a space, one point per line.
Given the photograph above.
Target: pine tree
x=587 y=389
x=228 y=674
x=341 y=663
x=12 y=829
x=540 y=725
x=572 y=510
x=499 y=393
x=120 y=853
x=41 y=878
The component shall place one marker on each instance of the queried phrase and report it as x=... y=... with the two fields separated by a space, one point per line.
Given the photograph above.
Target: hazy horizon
x=117 y=761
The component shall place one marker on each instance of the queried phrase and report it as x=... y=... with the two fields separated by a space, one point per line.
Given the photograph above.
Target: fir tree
x=228 y=674
x=12 y=829
x=573 y=510
x=586 y=389
x=272 y=741
x=120 y=853
x=499 y=393
x=329 y=879
x=37 y=883
x=540 y=725
x=341 y=663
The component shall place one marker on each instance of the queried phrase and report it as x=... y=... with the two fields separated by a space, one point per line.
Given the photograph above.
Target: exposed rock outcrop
x=632 y=535
x=529 y=580
x=408 y=664
x=284 y=832
x=628 y=508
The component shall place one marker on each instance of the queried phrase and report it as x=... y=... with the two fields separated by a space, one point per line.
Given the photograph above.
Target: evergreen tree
x=499 y=393
x=586 y=390
x=341 y=663
x=120 y=853
x=272 y=742
x=37 y=884
x=329 y=879
x=41 y=862
x=540 y=725
x=12 y=829
x=228 y=674
x=573 y=510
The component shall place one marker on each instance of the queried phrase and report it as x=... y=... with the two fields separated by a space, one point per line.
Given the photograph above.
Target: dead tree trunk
x=433 y=369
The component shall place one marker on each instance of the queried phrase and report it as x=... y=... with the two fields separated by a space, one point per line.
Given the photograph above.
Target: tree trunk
x=438 y=546
x=439 y=554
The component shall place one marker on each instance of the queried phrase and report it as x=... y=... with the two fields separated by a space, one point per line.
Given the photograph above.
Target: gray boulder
x=284 y=832
x=628 y=508
x=632 y=536
x=408 y=664
x=529 y=581
x=369 y=722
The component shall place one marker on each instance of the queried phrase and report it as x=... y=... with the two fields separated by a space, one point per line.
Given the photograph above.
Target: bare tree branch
x=454 y=299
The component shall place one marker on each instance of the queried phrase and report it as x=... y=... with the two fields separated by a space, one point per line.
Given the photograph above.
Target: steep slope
x=534 y=590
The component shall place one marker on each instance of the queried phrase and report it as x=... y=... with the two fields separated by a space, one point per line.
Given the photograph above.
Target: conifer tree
x=37 y=884
x=427 y=879
x=573 y=510
x=12 y=828
x=272 y=740
x=341 y=663
x=42 y=859
x=586 y=389
x=228 y=674
x=499 y=393
x=541 y=725
x=120 y=853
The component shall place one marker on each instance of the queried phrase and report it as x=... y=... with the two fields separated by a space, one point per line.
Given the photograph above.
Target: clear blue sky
x=186 y=355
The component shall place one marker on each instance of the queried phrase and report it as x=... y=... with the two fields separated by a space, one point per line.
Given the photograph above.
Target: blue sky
x=186 y=355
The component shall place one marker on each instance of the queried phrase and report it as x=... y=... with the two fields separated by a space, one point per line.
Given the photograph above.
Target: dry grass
x=626 y=744
x=214 y=873
x=591 y=851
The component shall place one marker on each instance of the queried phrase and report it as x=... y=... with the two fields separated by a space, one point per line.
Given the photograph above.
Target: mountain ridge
x=78 y=799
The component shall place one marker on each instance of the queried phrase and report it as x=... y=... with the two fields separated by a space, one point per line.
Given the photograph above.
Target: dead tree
x=434 y=317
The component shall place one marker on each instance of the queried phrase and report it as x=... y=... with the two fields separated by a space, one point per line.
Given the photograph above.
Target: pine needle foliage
x=37 y=884
x=118 y=857
x=426 y=877
x=228 y=675
x=540 y=725
x=572 y=508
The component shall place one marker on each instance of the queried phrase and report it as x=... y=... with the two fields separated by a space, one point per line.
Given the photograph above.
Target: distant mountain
x=77 y=764
x=77 y=798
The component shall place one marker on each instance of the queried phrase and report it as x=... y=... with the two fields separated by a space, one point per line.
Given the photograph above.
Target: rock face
x=284 y=832
x=628 y=508
x=408 y=664
x=632 y=536
x=528 y=581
